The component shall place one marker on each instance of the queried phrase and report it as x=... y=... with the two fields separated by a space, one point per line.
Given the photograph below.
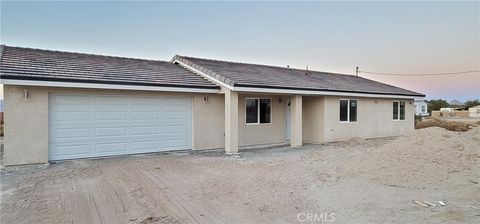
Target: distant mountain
x=455 y=102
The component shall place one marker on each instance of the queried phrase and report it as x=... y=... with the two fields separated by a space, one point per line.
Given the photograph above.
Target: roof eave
x=322 y=92
x=105 y=85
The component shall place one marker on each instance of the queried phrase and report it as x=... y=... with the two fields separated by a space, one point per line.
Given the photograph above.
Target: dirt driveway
x=356 y=181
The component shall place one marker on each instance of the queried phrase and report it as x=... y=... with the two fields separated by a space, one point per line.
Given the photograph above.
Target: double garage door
x=82 y=126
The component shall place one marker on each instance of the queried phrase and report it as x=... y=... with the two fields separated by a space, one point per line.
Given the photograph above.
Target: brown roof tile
x=36 y=64
x=265 y=76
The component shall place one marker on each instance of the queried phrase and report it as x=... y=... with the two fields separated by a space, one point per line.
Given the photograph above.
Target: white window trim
x=258 y=110
x=348 y=112
x=398 y=110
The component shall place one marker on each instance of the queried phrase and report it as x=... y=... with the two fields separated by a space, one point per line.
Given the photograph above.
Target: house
x=452 y=112
x=61 y=105
x=474 y=111
x=421 y=108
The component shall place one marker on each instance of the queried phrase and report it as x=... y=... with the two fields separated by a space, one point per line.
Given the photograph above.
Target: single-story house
x=61 y=105
x=474 y=111
x=421 y=107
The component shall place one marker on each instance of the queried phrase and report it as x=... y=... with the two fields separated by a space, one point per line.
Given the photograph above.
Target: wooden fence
x=455 y=113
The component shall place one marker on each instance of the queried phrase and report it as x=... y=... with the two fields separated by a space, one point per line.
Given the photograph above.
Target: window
x=398 y=110
x=258 y=110
x=348 y=110
x=423 y=109
x=251 y=108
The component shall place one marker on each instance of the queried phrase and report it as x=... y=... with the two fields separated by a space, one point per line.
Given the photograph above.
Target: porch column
x=231 y=122
x=296 y=137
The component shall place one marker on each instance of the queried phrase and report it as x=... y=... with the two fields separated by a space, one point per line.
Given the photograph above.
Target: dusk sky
x=389 y=37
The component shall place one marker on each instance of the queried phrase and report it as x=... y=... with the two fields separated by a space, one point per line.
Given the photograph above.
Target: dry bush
x=449 y=125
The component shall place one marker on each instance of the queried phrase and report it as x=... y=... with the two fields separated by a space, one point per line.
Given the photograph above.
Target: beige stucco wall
x=263 y=134
x=208 y=122
x=26 y=121
x=313 y=119
x=26 y=125
x=374 y=119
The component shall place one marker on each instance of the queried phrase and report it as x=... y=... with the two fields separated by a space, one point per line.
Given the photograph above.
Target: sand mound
x=353 y=142
x=426 y=158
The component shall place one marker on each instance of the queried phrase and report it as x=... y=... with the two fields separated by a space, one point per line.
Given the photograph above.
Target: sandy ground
x=358 y=181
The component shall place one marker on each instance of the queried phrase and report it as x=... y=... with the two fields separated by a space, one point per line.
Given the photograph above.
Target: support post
x=296 y=138
x=231 y=122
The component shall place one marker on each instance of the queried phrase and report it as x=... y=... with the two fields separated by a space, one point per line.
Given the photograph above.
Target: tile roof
x=265 y=76
x=47 y=65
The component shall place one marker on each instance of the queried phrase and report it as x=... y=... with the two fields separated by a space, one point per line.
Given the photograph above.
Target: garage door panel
x=169 y=130
x=72 y=132
x=144 y=101
x=145 y=130
x=176 y=115
x=145 y=115
x=72 y=115
x=111 y=132
x=175 y=143
x=145 y=146
x=105 y=125
x=74 y=100
x=111 y=115
x=113 y=147
x=115 y=101
x=63 y=151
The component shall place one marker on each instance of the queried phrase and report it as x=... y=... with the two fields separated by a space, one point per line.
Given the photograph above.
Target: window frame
x=398 y=110
x=258 y=110
x=348 y=112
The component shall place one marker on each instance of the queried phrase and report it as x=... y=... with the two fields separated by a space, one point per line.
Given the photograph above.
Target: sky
x=387 y=37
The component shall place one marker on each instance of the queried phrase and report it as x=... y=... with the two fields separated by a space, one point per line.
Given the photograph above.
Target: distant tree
x=471 y=103
x=437 y=104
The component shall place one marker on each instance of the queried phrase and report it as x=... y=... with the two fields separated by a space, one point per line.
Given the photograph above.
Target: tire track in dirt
x=156 y=198
x=196 y=212
x=200 y=208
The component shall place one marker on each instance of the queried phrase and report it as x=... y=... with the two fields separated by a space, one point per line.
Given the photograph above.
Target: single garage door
x=82 y=126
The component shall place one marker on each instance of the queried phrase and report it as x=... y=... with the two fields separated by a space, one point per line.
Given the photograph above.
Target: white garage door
x=83 y=126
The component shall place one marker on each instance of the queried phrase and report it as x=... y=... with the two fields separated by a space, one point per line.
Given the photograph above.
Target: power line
x=419 y=74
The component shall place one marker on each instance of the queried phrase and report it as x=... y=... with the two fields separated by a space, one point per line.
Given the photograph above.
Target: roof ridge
x=84 y=54
x=204 y=70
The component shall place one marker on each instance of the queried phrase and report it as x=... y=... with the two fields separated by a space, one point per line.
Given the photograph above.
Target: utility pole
x=356 y=72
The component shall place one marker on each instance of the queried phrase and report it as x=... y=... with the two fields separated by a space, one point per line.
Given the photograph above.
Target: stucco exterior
x=208 y=121
x=263 y=134
x=313 y=119
x=26 y=125
x=322 y=119
x=316 y=117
